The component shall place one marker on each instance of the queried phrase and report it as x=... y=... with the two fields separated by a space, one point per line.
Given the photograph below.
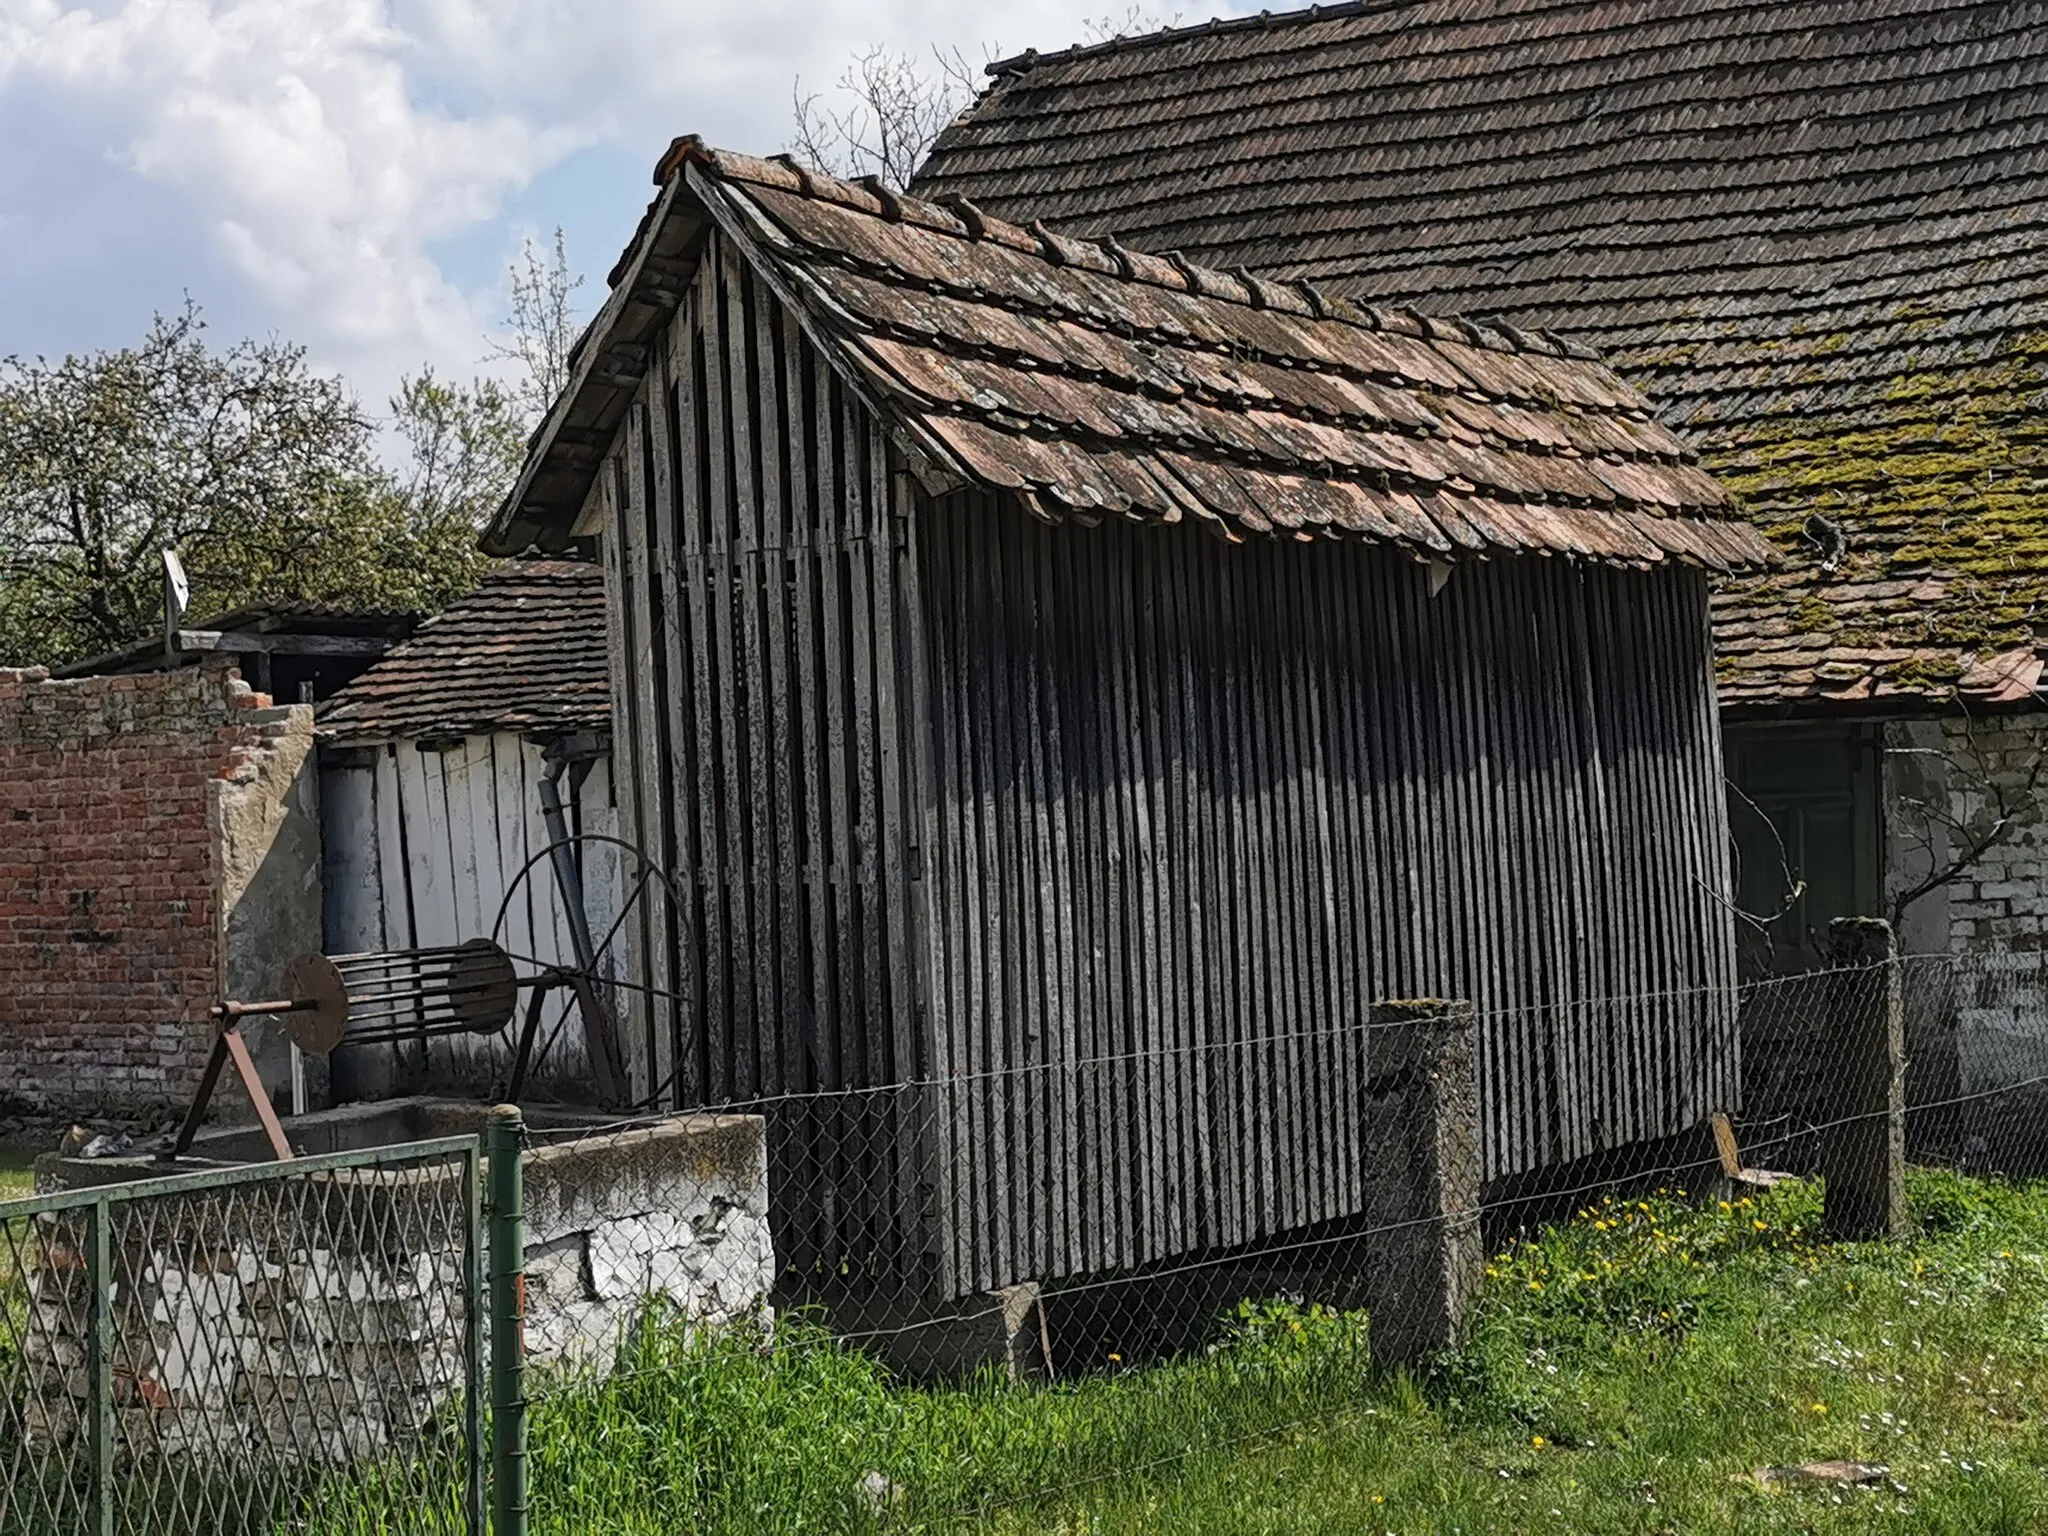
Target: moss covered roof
x=1938 y=482
x=1815 y=234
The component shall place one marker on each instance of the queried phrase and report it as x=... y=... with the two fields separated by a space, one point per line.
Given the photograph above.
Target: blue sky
x=357 y=174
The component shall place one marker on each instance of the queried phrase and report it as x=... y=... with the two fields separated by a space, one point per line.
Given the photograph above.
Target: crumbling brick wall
x=128 y=806
x=1975 y=979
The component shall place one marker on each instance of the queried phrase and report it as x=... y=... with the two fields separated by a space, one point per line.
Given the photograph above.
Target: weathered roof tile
x=1814 y=231
x=524 y=652
x=1149 y=386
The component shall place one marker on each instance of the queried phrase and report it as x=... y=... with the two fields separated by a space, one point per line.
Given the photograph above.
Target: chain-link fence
x=958 y=1303
x=287 y=1348
x=943 y=1302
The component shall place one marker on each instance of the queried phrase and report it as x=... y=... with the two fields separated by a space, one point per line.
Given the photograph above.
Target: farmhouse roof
x=1813 y=232
x=1093 y=380
x=524 y=652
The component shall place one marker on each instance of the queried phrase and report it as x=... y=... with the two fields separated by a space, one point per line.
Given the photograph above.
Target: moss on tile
x=1950 y=476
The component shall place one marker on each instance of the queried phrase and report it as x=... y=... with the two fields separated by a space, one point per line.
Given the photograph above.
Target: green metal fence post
x=504 y=1141
x=473 y=1304
x=99 y=1358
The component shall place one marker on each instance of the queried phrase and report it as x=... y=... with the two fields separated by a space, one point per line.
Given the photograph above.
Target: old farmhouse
x=1813 y=234
x=1070 y=685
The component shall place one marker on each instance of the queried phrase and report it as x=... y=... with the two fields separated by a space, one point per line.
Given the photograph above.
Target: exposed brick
x=110 y=925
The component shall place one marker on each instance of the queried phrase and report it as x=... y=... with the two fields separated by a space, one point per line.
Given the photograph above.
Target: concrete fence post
x=1422 y=1251
x=1863 y=1039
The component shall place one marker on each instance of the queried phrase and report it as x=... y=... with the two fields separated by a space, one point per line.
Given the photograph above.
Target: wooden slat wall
x=758 y=539
x=1196 y=807
x=1113 y=835
x=420 y=848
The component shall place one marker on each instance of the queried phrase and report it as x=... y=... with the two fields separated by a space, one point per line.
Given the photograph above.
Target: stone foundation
x=321 y=1319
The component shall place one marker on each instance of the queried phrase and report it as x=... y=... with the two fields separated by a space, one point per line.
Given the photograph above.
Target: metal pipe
x=600 y=1037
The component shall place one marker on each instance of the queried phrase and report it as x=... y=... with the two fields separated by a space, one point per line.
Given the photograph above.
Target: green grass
x=1627 y=1372
x=17 y=1173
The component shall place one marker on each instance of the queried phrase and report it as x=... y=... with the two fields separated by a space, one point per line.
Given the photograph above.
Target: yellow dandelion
x=1820 y=1407
x=1536 y=1441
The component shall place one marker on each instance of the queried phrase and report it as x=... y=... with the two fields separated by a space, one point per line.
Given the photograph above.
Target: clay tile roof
x=1096 y=379
x=524 y=652
x=1815 y=232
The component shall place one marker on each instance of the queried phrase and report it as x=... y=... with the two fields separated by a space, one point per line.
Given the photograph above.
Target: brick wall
x=1998 y=908
x=118 y=796
x=2002 y=902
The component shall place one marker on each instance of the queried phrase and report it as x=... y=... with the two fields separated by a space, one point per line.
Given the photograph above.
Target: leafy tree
x=266 y=477
x=261 y=473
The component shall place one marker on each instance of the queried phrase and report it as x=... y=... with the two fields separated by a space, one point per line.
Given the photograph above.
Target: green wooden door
x=1802 y=807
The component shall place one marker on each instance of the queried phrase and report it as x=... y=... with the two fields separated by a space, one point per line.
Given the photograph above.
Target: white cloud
x=312 y=154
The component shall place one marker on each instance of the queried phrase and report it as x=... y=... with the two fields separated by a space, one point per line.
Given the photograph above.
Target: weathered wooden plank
x=808 y=571
x=1336 y=1035
x=1195 y=789
x=895 y=834
x=1163 y=863
x=783 y=702
x=1073 y=657
x=856 y=534
x=754 y=797
x=682 y=513
x=661 y=1042
x=733 y=785
x=811 y=776
x=354 y=915
x=1062 y=976
x=1294 y=892
x=947 y=938
x=501 y=779
x=924 y=1104
x=701 y=583
x=839 y=850
x=652 y=1043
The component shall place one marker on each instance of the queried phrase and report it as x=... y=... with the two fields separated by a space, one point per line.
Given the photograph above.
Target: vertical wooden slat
x=783 y=703
x=812 y=774
x=893 y=898
x=924 y=1106
x=732 y=784
x=754 y=798
x=647 y=1006
x=1118 y=830
x=703 y=577
x=655 y=1047
x=681 y=559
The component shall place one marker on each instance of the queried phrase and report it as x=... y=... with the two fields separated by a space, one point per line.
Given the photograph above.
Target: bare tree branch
x=894 y=108
x=543 y=326
x=2002 y=813
x=1793 y=889
x=1135 y=22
